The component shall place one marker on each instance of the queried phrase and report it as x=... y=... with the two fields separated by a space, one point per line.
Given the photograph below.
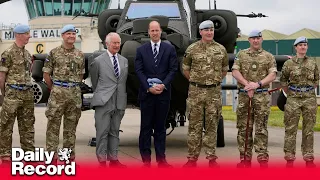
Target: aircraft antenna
x=209 y=4
x=118 y=4
x=215 y=4
x=252 y=15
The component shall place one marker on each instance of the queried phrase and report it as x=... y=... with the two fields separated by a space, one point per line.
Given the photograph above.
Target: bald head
x=113 y=42
x=154 y=31
x=154 y=23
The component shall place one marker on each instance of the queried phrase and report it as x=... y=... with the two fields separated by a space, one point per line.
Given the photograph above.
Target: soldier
x=205 y=64
x=16 y=86
x=65 y=65
x=299 y=78
x=254 y=69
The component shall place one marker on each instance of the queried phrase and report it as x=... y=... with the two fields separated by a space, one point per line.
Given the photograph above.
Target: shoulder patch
x=3 y=59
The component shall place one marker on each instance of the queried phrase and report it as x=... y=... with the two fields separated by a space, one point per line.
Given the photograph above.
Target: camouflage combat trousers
x=293 y=109
x=64 y=102
x=203 y=103
x=17 y=104
x=259 y=116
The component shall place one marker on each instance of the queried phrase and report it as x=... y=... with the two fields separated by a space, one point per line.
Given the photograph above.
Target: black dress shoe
x=146 y=165
x=103 y=164
x=116 y=164
x=164 y=164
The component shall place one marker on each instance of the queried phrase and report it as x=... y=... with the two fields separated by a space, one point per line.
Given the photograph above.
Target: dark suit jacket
x=164 y=69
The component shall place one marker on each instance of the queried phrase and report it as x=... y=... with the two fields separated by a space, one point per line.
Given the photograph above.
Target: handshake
x=155 y=85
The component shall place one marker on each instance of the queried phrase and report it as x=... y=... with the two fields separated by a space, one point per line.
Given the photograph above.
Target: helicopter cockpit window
x=142 y=10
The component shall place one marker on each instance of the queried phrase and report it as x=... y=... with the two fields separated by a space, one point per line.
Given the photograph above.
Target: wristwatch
x=260 y=84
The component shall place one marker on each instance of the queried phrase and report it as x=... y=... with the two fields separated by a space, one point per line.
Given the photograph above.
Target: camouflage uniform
x=254 y=66
x=206 y=63
x=299 y=73
x=65 y=65
x=16 y=62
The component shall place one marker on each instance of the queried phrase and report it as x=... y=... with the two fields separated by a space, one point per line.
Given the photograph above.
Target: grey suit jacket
x=104 y=82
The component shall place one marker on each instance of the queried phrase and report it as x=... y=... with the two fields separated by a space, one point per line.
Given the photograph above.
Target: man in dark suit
x=155 y=64
x=109 y=73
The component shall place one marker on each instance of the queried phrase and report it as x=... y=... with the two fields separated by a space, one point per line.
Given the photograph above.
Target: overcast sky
x=285 y=16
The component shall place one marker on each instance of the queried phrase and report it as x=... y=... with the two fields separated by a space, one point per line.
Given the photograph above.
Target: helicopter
x=179 y=21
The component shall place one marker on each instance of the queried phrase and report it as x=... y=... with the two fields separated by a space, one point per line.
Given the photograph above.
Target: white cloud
x=285 y=16
x=13 y=12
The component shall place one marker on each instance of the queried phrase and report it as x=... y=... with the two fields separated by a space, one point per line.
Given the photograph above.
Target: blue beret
x=206 y=25
x=67 y=28
x=301 y=39
x=21 y=29
x=255 y=33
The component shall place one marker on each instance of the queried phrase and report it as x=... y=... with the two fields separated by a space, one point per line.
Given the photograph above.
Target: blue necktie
x=155 y=53
x=115 y=67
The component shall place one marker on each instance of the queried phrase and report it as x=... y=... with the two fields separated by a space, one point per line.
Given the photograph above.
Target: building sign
x=38 y=34
x=39 y=48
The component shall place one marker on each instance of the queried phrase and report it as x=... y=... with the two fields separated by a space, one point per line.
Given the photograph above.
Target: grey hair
x=110 y=35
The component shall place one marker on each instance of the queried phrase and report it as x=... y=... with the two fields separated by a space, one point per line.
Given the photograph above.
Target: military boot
x=190 y=164
x=5 y=163
x=263 y=164
x=244 y=164
x=310 y=164
x=213 y=163
x=289 y=164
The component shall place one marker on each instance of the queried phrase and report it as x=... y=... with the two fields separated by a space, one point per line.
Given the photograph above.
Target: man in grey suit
x=108 y=75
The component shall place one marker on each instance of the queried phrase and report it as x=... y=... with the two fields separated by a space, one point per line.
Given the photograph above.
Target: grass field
x=275 y=118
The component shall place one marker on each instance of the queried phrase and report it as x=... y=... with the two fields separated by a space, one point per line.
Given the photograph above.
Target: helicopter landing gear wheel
x=181 y=120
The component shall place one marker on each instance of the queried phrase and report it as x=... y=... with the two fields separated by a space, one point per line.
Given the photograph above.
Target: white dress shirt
x=158 y=45
x=111 y=58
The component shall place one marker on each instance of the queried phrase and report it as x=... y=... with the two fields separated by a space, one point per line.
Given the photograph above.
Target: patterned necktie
x=115 y=67
x=155 y=53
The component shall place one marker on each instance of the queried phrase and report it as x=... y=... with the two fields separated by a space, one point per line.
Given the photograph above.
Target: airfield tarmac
x=176 y=151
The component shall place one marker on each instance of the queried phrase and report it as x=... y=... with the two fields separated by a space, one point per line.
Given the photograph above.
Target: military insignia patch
x=47 y=59
x=254 y=66
x=3 y=59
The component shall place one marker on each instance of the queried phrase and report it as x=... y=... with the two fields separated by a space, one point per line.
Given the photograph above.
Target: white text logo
x=37 y=157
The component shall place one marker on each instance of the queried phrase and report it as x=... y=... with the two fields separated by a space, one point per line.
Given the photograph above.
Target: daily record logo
x=39 y=156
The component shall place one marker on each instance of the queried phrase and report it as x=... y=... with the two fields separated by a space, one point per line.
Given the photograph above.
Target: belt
x=259 y=90
x=21 y=87
x=65 y=84
x=203 y=85
x=301 y=89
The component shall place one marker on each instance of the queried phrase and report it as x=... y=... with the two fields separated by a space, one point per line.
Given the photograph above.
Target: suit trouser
x=153 y=116
x=107 y=125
